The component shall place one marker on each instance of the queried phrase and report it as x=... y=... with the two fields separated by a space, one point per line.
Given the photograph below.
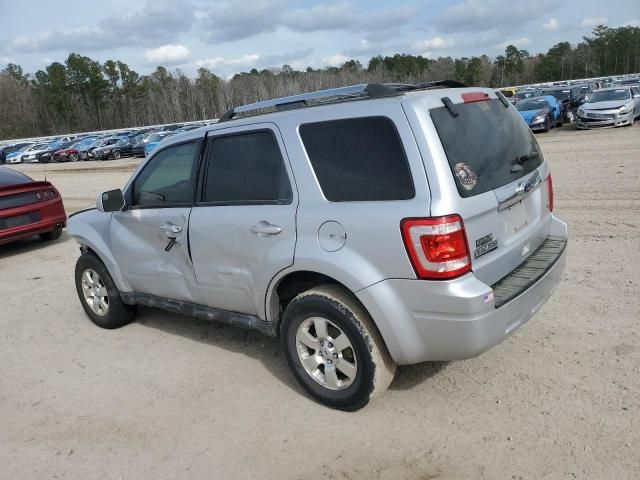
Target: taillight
x=46 y=194
x=550 y=187
x=437 y=247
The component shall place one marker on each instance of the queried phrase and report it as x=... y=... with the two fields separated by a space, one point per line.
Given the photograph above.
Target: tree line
x=83 y=94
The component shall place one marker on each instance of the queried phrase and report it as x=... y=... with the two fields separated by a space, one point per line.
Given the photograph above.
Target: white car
x=31 y=155
x=16 y=157
x=610 y=107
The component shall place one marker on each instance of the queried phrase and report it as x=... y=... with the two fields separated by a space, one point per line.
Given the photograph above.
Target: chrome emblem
x=524 y=187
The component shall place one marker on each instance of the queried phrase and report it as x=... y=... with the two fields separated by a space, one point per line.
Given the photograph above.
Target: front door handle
x=265 y=228
x=171 y=230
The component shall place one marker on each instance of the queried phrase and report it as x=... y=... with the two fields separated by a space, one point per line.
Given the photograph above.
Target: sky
x=232 y=36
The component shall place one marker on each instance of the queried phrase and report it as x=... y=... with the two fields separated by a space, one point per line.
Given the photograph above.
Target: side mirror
x=111 y=201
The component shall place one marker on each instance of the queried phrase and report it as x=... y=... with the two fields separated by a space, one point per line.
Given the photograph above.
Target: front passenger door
x=150 y=238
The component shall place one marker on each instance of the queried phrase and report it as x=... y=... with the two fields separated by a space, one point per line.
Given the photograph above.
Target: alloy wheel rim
x=326 y=353
x=95 y=292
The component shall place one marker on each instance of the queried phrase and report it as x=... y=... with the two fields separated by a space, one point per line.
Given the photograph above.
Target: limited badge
x=466 y=176
x=484 y=245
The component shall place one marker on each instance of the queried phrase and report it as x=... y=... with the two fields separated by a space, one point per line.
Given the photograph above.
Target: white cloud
x=631 y=23
x=484 y=15
x=335 y=60
x=248 y=60
x=167 y=54
x=518 y=42
x=436 y=43
x=593 y=21
x=551 y=26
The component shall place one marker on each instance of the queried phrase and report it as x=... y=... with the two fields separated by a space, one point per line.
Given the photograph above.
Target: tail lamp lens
x=550 y=187
x=437 y=247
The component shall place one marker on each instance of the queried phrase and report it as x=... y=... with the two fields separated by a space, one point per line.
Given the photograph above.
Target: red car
x=29 y=208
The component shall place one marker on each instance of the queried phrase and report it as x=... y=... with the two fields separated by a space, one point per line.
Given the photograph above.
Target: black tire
x=375 y=368
x=117 y=155
x=52 y=235
x=118 y=313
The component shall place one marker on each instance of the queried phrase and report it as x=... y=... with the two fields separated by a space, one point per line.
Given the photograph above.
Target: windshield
x=39 y=146
x=609 y=95
x=532 y=105
x=156 y=137
x=494 y=143
x=559 y=94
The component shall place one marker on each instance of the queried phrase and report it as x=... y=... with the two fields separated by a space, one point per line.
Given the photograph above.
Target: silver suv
x=368 y=227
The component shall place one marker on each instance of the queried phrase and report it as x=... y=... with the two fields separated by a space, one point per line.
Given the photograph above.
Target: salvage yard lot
x=173 y=397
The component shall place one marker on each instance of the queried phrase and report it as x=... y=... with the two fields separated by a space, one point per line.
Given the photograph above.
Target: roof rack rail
x=353 y=92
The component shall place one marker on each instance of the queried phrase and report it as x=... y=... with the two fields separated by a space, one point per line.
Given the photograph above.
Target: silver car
x=610 y=107
x=367 y=226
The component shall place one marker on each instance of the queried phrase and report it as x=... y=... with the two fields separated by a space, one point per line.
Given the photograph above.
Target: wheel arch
x=288 y=284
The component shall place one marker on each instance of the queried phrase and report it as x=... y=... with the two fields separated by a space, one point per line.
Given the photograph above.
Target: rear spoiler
x=25 y=187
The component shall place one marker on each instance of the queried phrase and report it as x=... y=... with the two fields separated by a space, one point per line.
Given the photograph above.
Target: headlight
x=626 y=108
x=580 y=111
x=107 y=151
x=537 y=118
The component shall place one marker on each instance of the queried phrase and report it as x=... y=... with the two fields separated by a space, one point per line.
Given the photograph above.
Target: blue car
x=154 y=140
x=541 y=113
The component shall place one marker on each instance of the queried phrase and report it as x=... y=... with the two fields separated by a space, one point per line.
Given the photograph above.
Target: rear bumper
x=50 y=214
x=454 y=320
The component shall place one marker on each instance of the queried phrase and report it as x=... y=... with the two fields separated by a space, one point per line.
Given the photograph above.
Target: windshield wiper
x=518 y=161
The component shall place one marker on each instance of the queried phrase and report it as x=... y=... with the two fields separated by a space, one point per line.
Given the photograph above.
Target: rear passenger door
x=243 y=226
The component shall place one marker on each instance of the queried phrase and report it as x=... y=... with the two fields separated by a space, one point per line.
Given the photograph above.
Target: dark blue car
x=541 y=113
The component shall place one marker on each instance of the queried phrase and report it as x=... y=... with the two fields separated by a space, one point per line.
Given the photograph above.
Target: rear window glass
x=487 y=145
x=358 y=159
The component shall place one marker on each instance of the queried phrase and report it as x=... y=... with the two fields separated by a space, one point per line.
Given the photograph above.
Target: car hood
x=34 y=152
x=608 y=105
x=528 y=115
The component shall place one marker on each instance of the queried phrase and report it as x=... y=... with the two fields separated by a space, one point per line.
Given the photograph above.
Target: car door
x=150 y=238
x=243 y=226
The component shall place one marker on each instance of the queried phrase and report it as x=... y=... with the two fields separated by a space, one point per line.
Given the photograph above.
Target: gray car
x=610 y=107
x=367 y=226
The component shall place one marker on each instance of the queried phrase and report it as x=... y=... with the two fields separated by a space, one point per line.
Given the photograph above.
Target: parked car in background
x=29 y=208
x=153 y=143
x=610 y=107
x=509 y=93
x=16 y=156
x=6 y=150
x=113 y=150
x=101 y=142
x=541 y=113
x=46 y=156
x=31 y=154
x=138 y=149
x=570 y=96
x=401 y=224
x=172 y=127
x=525 y=93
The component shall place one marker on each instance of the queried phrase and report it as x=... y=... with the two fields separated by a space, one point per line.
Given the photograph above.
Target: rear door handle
x=265 y=228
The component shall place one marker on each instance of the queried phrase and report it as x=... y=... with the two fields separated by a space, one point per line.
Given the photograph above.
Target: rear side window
x=358 y=159
x=487 y=145
x=246 y=169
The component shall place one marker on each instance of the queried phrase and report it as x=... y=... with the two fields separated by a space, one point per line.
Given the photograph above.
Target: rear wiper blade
x=518 y=161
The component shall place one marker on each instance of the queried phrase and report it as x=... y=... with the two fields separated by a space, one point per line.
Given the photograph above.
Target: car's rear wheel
x=53 y=234
x=334 y=349
x=99 y=295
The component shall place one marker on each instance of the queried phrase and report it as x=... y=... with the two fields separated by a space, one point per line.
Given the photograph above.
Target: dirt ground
x=169 y=397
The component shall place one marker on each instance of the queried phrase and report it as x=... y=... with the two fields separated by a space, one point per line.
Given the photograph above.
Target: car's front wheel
x=116 y=155
x=334 y=349
x=99 y=295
